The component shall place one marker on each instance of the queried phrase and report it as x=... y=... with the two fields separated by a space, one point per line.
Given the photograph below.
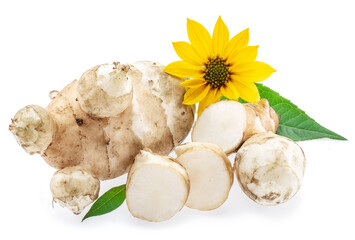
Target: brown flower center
x=216 y=72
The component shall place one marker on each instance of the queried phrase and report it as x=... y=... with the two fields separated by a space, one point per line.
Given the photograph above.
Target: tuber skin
x=270 y=168
x=101 y=122
x=260 y=118
x=105 y=90
x=32 y=127
x=74 y=188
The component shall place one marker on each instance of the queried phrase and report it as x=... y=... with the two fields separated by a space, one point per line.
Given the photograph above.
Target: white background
x=45 y=45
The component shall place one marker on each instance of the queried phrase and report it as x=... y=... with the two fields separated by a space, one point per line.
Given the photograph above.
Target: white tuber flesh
x=270 y=168
x=210 y=173
x=222 y=123
x=105 y=90
x=157 y=187
x=33 y=128
x=74 y=188
x=229 y=123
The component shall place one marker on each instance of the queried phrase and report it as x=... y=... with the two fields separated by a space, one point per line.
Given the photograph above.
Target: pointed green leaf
x=295 y=123
x=108 y=202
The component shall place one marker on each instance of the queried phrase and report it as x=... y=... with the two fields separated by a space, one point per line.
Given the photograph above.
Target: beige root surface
x=32 y=127
x=270 y=168
x=106 y=147
x=179 y=116
x=260 y=118
x=105 y=90
x=74 y=188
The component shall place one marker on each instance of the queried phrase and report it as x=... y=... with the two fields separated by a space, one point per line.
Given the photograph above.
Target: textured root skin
x=92 y=137
x=92 y=97
x=270 y=168
x=32 y=126
x=260 y=118
x=106 y=147
x=164 y=86
x=145 y=107
x=121 y=136
x=74 y=188
x=65 y=149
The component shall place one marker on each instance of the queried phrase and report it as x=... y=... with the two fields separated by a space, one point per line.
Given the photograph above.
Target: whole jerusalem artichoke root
x=270 y=168
x=101 y=122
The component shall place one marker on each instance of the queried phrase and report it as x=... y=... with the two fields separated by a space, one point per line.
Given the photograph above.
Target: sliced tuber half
x=157 y=187
x=222 y=123
x=229 y=123
x=210 y=173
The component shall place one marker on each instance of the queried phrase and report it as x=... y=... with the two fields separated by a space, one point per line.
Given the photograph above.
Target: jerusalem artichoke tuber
x=270 y=168
x=157 y=187
x=229 y=123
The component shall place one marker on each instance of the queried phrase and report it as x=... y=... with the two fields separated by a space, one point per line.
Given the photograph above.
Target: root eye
x=79 y=121
x=216 y=72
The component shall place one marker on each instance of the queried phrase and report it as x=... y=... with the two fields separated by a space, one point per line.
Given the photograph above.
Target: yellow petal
x=230 y=91
x=252 y=71
x=248 y=91
x=192 y=83
x=243 y=55
x=195 y=95
x=238 y=41
x=220 y=37
x=213 y=96
x=199 y=38
x=184 y=70
x=187 y=53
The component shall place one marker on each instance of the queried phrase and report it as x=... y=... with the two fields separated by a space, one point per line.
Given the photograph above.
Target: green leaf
x=108 y=202
x=294 y=123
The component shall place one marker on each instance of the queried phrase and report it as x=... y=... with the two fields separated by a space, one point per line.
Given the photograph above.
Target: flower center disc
x=216 y=72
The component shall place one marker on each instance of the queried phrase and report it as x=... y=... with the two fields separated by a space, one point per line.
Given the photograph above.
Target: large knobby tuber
x=100 y=123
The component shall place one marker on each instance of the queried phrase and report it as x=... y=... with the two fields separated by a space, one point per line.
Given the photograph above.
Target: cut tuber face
x=229 y=123
x=222 y=123
x=270 y=168
x=210 y=173
x=157 y=187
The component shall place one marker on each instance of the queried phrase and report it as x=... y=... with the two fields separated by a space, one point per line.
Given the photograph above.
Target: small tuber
x=74 y=188
x=270 y=168
x=32 y=127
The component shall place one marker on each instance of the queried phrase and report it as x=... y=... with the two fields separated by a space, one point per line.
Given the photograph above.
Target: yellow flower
x=216 y=67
